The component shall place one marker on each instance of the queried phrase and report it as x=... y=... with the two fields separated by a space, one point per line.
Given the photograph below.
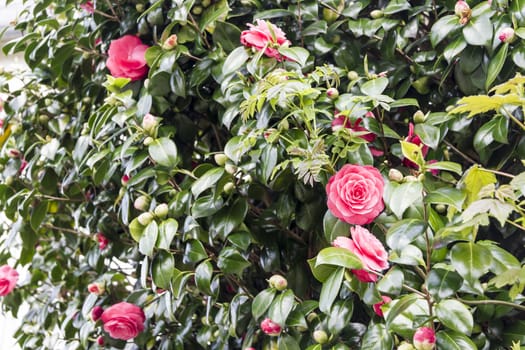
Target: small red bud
x=271 y=328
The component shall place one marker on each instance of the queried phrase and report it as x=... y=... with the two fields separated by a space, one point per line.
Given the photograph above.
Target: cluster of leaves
x=242 y=152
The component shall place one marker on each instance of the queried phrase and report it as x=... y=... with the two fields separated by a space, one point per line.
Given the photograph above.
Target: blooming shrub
x=264 y=175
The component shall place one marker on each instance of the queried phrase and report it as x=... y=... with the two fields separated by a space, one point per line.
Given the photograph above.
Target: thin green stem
x=514 y=119
x=493 y=302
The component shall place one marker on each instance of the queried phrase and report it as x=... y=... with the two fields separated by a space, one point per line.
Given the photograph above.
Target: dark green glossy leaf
x=330 y=290
x=454 y=341
x=339 y=257
x=148 y=239
x=164 y=152
x=403 y=232
x=203 y=275
x=377 y=337
x=447 y=196
x=455 y=315
x=496 y=64
x=281 y=307
x=162 y=269
x=262 y=302
x=442 y=283
x=470 y=260
x=231 y=261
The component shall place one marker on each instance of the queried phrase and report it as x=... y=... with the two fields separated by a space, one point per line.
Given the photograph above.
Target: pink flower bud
x=332 y=93
x=377 y=306
x=97 y=288
x=23 y=165
x=13 y=153
x=170 y=43
x=96 y=312
x=88 y=7
x=463 y=11
x=424 y=339
x=125 y=179
x=271 y=328
x=507 y=35
x=100 y=340
x=102 y=241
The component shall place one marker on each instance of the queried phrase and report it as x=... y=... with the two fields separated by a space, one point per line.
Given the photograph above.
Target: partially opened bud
x=97 y=288
x=507 y=35
x=170 y=43
x=271 y=328
x=332 y=93
x=150 y=124
x=463 y=11
x=377 y=306
x=424 y=339
x=278 y=282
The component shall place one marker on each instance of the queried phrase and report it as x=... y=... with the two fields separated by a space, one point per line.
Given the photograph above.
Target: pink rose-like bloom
x=127 y=58
x=368 y=249
x=8 y=279
x=343 y=121
x=424 y=339
x=88 y=7
x=269 y=327
x=96 y=288
x=416 y=140
x=96 y=312
x=355 y=194
x=377 y=306
x=265 y=35
x=507 y=35
x=123 y=320
x=102 y=241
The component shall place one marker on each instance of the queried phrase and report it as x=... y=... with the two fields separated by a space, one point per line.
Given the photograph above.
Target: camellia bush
x=265 y=174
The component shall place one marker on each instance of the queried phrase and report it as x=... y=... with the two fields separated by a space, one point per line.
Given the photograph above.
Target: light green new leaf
x=374 y=87
x=447 y=196
x=338 y=257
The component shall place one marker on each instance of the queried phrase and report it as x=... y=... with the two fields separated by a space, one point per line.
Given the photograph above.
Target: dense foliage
x=274 y=174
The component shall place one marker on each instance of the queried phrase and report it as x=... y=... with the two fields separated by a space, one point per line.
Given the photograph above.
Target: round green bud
x=148 y=141
x=375 y=14
x=141 y=203
x=352 y=75
x=320 y=336
x=220 y=159
x=395 y=175
x=419 y=117
x=161 y=210
x=230 y=168
x=228 y=187
x=145 y=218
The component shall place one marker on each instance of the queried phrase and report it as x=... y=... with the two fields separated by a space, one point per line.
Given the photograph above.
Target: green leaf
x=470 y=260
x=482 y=103
x=475 y=179
x=377 y=337
x=443 y=283
x=496 y=64
x=231 y=261
x=413 y=152
x=207 y=180
x=454 y=49
x=162 y=269
x=38 y=214
x=455 y=315
x=148 y=239
x=281 y=307
x=194 y=251
x=451 y=340
x=167 y=231
x=478 y=31
x=494 y=130
x=136 y=230
x=374 y=87
x=164 y=152
x=330 y=290
x=399 y=306
x=430 y=135
x=321 y=272
x=405 y=196
x=514 y=332
x=494 y=207
x=518 y=183
x=229 y=218
x=295 y=53
x=502 y=260
x=443 y=27
x=447 y=196
x=339 y=257
x=203 y=276
x=396 y=6
x=404 y=232
x=235 y=60
x=340 y=316
x=392 y=282
x=445 y=165
x=287 y=342
x=333 y=227
x=262 y=302
x=216 y=11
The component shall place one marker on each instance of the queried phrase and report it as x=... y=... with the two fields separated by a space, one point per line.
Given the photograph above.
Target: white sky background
x=8 y=325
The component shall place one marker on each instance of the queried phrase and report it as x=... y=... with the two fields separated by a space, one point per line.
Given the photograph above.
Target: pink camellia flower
x=88 y=7
x=368 y=249
x=102 y=241
x=424 y=339
x=8 y=279
x=97 y=288
x=269 y=327
x=127 y=58
x=265 y=36
x=355 y=194
x=377 y=306
x=96 y=312
x=416 y=140
x=343 y=121
x=123 y=320
x=506 y=35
